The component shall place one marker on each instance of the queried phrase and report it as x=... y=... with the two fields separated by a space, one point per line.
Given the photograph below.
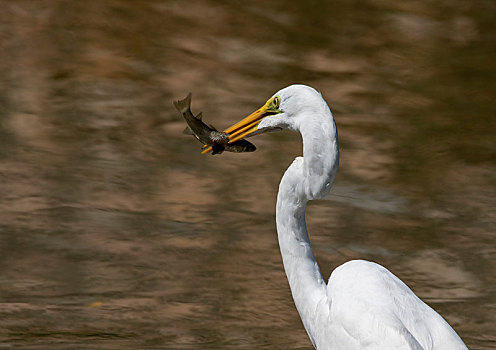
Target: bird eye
x=276 y=101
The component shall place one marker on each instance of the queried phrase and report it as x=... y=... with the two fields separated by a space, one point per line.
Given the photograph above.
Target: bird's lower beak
x=246 y=127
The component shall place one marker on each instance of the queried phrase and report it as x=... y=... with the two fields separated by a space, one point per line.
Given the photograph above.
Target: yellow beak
x=247 y=126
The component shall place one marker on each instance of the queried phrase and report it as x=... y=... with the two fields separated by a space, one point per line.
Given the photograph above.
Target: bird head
x=286 y=109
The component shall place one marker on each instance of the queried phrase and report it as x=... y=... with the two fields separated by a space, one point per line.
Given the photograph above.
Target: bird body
x=374 y=309
x=363 y=305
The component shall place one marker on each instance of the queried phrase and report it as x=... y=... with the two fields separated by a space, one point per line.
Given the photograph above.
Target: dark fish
x=208 y=135
x=240 y=146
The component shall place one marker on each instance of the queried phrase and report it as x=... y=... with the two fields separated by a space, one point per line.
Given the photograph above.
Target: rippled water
x=115 y=231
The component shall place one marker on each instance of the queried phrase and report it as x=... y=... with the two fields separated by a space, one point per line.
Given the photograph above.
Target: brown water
x=116 y=233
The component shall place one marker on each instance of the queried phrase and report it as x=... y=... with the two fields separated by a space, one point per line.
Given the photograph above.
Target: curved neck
x=309 y=177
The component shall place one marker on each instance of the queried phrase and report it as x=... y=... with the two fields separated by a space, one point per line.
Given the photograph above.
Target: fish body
x=205 y=134
x=209 y=135
x=240 y=146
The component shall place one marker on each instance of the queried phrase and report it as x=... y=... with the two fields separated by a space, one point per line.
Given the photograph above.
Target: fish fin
x=187 y=131
x=184 y=104
x=199 y=116
x=240 y=146
x=212 y=127
x=217 y=149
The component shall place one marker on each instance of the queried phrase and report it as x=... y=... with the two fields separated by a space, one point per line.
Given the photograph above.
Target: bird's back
x=370 y=308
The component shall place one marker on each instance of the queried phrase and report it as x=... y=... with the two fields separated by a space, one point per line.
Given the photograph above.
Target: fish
x=209 y=135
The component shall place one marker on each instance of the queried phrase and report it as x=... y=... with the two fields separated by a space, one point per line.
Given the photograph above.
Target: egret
x=363 y=305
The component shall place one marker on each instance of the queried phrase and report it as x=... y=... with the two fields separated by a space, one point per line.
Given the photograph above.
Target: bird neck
x=309 y=177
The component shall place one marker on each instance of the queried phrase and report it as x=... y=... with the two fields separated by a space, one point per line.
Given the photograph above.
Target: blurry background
x=116 y=233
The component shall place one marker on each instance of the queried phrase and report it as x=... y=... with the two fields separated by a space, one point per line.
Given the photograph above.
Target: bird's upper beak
x=249 y=126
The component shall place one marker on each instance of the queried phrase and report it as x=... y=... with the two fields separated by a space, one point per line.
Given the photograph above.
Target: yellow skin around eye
x=275 y=102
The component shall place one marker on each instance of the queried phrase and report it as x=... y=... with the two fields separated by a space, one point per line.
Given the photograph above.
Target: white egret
x=363 y=305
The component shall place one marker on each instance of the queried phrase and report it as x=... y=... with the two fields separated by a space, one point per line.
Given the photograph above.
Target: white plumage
x=363 y=305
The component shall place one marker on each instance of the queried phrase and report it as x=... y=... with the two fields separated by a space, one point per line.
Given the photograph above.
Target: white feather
x=363 y=305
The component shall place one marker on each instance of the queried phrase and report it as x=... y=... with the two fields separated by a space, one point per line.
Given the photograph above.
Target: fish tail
x=183 y=105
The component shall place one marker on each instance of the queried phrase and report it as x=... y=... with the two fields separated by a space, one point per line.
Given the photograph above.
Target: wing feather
x=370 y=308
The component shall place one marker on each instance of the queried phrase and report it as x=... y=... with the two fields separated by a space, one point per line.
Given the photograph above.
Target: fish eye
x=276 y=101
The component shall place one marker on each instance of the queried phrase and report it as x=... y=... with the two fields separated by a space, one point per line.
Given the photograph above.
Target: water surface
x=116 y=233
